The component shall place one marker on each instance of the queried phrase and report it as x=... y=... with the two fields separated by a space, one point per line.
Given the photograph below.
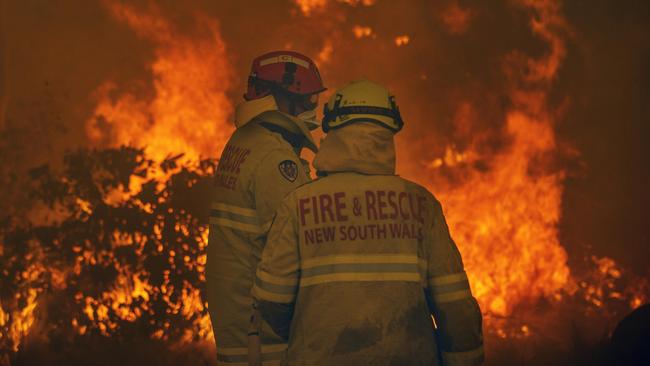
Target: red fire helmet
x=289 y=71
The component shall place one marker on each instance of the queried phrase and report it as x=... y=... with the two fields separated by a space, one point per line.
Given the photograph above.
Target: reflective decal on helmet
x=289 y=170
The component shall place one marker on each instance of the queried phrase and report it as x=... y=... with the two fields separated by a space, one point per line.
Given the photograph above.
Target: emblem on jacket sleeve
x=289 y=170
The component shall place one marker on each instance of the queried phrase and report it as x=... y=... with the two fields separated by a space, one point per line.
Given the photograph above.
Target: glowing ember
x=309 y=6
x=402 y=40
x=360 y=32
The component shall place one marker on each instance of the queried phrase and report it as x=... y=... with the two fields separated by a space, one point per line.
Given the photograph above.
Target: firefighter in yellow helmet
x=259 y=165
x=357 y=261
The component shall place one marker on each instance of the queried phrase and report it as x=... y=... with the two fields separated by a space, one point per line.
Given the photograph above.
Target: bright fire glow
x=189 y=108
x=504 y=218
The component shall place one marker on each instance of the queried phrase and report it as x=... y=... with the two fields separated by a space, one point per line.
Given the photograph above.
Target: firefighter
x=259 y=165
x=358 y=261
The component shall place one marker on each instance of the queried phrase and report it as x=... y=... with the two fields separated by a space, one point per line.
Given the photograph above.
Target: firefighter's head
x=362 y=101
x=292 y=79
x=361 y=120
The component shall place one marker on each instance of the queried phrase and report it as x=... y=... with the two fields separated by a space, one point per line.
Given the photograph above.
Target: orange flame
x=18 y=323
x=505 y=219
x=188 y=110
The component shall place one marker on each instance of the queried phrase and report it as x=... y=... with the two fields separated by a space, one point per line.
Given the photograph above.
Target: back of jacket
x=366 y=260
x=255 y=172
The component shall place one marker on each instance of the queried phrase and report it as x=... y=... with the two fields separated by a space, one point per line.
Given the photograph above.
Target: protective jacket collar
x=361 y=147
x=266 y=110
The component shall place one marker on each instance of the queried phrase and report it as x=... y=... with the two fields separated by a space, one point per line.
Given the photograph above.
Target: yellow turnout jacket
x=257 y=168
x=357 y=262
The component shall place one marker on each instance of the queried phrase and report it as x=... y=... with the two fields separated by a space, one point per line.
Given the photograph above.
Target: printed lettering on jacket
x=373 y=215
x=229 y=166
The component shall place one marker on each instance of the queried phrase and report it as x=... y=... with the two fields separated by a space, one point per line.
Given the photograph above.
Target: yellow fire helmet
x=362 y=101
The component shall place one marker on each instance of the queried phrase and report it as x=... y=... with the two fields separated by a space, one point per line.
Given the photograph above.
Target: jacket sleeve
x=455 y=310
x=278 y=174
x=276 y=279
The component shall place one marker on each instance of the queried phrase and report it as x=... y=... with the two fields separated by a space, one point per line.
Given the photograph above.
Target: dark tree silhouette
x=95 y=248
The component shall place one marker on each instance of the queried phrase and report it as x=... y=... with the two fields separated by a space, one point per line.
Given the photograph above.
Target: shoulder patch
x=289 y=170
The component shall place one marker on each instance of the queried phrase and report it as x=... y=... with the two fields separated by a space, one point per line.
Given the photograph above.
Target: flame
x=16 y=325
x=505 y=222
x=189 y=107
x=505 y=218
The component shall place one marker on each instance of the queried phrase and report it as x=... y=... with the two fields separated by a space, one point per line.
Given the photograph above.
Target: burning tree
x=105 y=264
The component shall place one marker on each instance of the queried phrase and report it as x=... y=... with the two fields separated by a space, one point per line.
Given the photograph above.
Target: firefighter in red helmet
x=259 y=165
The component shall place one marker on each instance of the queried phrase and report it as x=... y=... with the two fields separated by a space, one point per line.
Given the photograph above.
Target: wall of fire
x=528 y=119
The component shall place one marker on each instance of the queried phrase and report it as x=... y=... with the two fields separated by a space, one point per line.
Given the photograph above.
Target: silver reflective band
x=449 y=288
x=473 y=357
x=284 y=58
x=238 y=218
x=356 y=268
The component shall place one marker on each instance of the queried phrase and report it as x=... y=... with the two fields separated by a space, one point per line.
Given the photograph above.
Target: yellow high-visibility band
x=244 y=211
x=262 y=294
x=236 y=225
x=447 y=279
x=276 y=289
x=284 y=281
x=273 y=348
x=452 y=296
x=363 y=277
x=345 y=259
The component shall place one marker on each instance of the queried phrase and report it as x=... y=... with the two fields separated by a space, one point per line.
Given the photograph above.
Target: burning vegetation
x=109 y=257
